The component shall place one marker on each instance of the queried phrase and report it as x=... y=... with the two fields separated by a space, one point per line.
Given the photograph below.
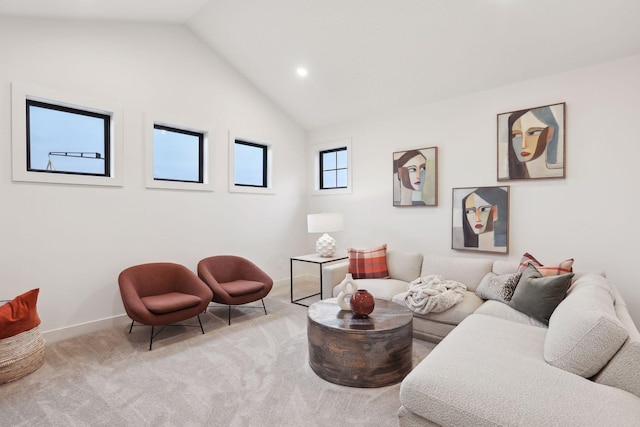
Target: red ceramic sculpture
x=362 y=303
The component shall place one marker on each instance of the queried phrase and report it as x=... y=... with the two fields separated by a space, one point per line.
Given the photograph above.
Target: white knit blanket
x=433 y=294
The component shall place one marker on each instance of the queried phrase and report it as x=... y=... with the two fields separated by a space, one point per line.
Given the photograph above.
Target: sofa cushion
x=452 y=316
x=20 y=314
x=368 y=263
x=562 y=267
x=430 y=330
x=468 y=271
x=498 y=287
x=380 y=288
x=404 y=265
x=504 y=311
x=505 y=267
x=539 y=296
x=170 y=302
x=623 y=370
x=490 y=372
x=241 y=287
x=584 y=332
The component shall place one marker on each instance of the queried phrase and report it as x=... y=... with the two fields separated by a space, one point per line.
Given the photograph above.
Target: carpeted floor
x=252 y=373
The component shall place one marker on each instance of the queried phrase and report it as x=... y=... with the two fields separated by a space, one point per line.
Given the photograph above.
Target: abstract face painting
x=479 y=213
x=415 y=174
x=531 y=143
x=480 y=219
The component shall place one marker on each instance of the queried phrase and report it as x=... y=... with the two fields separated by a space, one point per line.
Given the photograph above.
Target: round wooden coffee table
x=375 y=351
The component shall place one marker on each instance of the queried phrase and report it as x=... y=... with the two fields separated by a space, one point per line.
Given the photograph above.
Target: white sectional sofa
x=497 y=366
x=406 y=266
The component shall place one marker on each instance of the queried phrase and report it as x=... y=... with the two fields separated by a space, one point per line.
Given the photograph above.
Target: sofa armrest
x=623 y=370
x=332 y=275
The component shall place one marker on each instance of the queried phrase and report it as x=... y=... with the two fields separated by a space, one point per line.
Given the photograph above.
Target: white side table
x=314 y=259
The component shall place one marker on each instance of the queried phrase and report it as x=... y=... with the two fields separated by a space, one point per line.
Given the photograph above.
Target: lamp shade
x=324 y=222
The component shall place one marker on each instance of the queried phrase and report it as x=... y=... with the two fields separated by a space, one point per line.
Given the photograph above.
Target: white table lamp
x=325 y=223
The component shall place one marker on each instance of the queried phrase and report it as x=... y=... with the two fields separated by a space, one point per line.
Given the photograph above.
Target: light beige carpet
x=252 y=373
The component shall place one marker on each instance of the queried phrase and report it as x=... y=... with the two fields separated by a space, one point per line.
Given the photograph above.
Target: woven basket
x=21 y=354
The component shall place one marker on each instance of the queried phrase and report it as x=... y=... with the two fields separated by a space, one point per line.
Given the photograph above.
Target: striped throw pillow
x=368 y=263
x=563 y=267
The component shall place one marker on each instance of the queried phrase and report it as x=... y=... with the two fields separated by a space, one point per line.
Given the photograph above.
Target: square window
x=330 y=163
x=67 y=140
x=333 y=168
x=250 y=164
x=178 y=154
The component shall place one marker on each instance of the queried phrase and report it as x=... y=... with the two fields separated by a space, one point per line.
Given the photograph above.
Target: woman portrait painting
x=481 y=219
x=531 y=143
x=415 y=177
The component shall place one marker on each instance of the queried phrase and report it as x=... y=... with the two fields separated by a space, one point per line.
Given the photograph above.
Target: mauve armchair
x=234 y=280
x=160 y=294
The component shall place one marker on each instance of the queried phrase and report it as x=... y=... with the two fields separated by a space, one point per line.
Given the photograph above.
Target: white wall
x=592 y=215
x=72 y=241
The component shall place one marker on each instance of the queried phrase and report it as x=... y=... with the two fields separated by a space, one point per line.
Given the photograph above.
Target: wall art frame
x=480 y=219
x=531 y=143
x=415 y=177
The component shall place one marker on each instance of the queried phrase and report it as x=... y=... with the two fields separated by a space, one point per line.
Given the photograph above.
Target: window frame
x=315 y=159
x=20 y=94
x=250 y=139
x=151 y=119
x=265 y=168
x=322 y=170
x=200 y=136
x=71 y=110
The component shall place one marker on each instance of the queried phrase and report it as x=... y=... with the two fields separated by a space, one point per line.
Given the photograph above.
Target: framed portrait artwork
x=415 y=177
x=480 y=219
x=531 y=143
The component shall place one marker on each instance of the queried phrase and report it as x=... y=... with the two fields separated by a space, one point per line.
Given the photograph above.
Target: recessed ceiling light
x=302 y=72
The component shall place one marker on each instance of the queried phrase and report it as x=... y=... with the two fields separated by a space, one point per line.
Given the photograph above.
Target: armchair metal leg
x=154 y=332
x=264 y=307
x=201 y=328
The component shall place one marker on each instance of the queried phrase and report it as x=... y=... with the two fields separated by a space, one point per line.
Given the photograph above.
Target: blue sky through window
x=334 y=168
x=249 y=164
x=176 y=155
x=56 y=131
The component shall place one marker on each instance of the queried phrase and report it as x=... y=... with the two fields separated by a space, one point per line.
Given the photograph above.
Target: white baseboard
x=85 y=328
x=281 y=283
x=303 y=278
x=122 y=320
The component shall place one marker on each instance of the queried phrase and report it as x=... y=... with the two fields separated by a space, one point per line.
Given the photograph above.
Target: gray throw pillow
x=498 y=287
x=538 y=296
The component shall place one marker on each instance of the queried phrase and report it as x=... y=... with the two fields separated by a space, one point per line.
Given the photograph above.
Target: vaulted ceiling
x=370 y=56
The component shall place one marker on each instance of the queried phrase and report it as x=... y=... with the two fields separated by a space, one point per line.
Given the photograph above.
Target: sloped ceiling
x=369 y=56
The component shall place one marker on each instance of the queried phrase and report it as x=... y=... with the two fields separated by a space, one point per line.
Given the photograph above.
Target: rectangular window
x=67 y=140
x=178 y=154
x=333 y=168
x=250 y=164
